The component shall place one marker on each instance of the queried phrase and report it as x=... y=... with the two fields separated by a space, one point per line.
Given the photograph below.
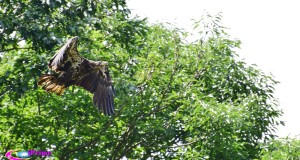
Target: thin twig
x=15 y=48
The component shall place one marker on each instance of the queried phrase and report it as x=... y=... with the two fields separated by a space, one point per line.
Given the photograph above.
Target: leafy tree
x=175 y=99
x=283 y=148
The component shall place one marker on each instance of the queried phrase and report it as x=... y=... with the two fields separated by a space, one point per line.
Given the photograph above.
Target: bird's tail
x=50 y=84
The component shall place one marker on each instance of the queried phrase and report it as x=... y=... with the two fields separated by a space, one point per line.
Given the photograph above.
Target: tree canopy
x=175 y=99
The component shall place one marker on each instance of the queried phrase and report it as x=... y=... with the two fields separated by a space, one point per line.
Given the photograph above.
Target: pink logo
x=10 y=157
x=23 y=155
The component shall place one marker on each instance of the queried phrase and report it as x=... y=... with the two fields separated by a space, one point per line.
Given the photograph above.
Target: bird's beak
x=104 y=63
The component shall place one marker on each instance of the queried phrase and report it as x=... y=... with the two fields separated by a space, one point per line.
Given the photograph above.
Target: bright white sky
x=268 y=29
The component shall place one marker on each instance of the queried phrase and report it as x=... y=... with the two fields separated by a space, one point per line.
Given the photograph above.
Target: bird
x=70 y=68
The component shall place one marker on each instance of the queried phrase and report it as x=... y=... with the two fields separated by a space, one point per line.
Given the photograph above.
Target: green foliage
x=283 y=148
x=174 y=99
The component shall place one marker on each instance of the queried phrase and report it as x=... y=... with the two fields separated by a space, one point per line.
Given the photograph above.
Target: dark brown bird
x=72 y=69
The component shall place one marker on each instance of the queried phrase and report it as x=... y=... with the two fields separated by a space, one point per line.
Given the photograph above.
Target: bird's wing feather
x=101 y=87
x=66 y=57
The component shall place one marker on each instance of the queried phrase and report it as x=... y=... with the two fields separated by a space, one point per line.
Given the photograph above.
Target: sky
x=269 y=31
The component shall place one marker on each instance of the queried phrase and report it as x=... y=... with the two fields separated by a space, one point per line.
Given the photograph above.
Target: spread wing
x=99 y=83
x=67 y=57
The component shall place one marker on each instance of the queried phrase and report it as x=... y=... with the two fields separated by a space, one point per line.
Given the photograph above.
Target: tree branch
x=65 y=156
x=158 y=107
x=124 y=139
x=95 y=139
x=5 y=50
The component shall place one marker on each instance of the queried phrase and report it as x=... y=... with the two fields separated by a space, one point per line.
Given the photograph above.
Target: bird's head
x=73 y=42
x=101 y=64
